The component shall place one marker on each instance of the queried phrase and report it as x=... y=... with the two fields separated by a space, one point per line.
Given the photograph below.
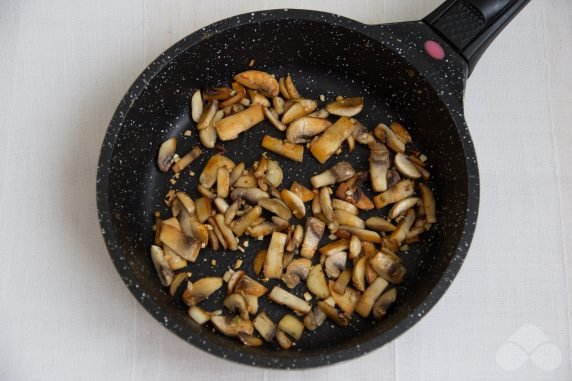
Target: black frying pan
x=413 y=72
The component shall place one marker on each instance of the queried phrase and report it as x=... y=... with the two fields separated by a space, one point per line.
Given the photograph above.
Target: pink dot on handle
x=434 y=49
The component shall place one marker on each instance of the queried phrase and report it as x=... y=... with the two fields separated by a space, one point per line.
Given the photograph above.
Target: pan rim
x=273 y=361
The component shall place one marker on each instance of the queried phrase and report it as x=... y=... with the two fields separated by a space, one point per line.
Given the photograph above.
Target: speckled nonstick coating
x=326 y=54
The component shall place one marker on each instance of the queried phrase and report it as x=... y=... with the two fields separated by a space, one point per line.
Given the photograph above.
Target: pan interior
x=323 y=59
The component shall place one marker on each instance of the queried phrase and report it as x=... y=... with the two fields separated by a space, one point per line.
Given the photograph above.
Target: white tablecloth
x=66 y=315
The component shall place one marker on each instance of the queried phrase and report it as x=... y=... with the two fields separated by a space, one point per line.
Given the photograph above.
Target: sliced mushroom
x=314 y=319
x=282 y=88
x=340 y=318
x=363 y=234
x=258 y=262
x=274 y=173
x=300 y=108
x=233 y=280
x=292 y=91
x=383 y=303
x=227 y=233
x=303 y=129
x=249 y=340
x=379 y=224
x=401 y=190
x=186 y=247
x=206 y=192
x=162 y=267
x=301 y=191
x=248 y=286
x=321 y=113
x=402 y=206
x=217 y=232
x=283 y=297
x=340 y=172
x=246 y=181
x=334 y=247
x=358 y=275
x=241 y=224
x=232 y=325
x=239 y=94
x=259 y=80
x=230 y=127
x=273 y=262
x=338 y=204
x=403 y=227
x=312 y=236
x=258 y=99
x=332 y=138
x=393 y=177
x=236 y=304
x=200 y=290
x=283 y=148
x=203 y=208
x=276 y=206
x=273 y=117
x=250 y=195
x=222 y=182
x=292 y=326
x=230 y=212
x=428 y=203
x=368 y=298
x=283 y=340
x=251 y=303
x=175 y=261
x=388 y=266
x=335 y=264
x=400 y=132
x=346 y=300
x=217 y=93
x=385 y=135
x=370 y=274
x=378 y=166
x=350 y=191
x=326 y=205
x=355 y=247
x=166 y=154
x=362 y=135
x=346 y=107
x=339 y=286
x=348 y=219
x=209 y=175
x=265 y=326
x=296 y=271
x=293 y=202
x=405 y=167
x=199 y=315
x=390 y=243
x=208 y=115
x=236 y=172
x=278 y=104
x=196 y=106
x=187 y=202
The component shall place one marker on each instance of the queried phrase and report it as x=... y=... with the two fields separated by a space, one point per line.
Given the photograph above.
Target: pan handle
x=471 y=25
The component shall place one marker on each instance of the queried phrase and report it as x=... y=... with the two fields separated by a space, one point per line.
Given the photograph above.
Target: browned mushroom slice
x=340 y=172
x=303 y=129
x=250 y=195
x=166 y=154
x=383 y=303
x=196 y=106
x=274 y=173
x=265 y=326
x=348 y=219
x=401 y=190
x=246 y=181
x=259 y=80
x=388 y=266
x=341 y=283
x=283 y=148
x=293 y=202
x=355 y=247
x=283 y=340
x=187 y=159
x=346 y=300
x=217 y=93
x=346 y=107
x=233 y=280
x=259 y=261
x=312 y=236
x=321 y=113
x=208 y=115
x=326 y=206
x=378 y=166
x=199 y=315
x=370 y=274
x=240 y=93
x=316 y=282
x=379 y=224
x=230 y=127
x=345 y=206
x=332 y=138
x=314 y=319
x=276 y=206
x=283 y=297
x=295 y=239
x=173 y=222
x=385 y=135
x=393 y=177
x=217 y=232
x=191 y=226
x=301 y=191
x=186 y=247
x=273 y=262
x=236 y=172
x=334 y=247
x=292 y=91
x=248 y=286
x=209 y=175
x=296 y=271
x=175 y=261
x=292 y=326
x=222 y=182
x=227 y=234
x=200 y=290
x=231 y=212
x=273 y=117
x=282 y=88
x=350 y=191
x=363 y=234
x=402 y=206
x=400 y=232
x=335 y=264
x=232 y=325
x=405 y=167
x=206 y=192
x=241 y=224
x=340 y=318
x=299 y=108
x=258 y=99
x=428 y=203
x=203 y=209
x=236 y=304
x=162 y=267
x=400 y=132
x=249 y=340
x=278 y=104
x=358 y=275
x=368 y=298
x=362 y=135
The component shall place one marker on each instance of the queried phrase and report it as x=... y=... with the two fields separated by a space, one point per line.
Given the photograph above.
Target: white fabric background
x=66 y=315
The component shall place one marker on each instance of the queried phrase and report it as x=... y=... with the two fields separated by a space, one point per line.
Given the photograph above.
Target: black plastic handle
x=471 y=25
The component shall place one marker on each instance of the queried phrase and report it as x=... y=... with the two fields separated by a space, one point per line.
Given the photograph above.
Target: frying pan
x=413 y=72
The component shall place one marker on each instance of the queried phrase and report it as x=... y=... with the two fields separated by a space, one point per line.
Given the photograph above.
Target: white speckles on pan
x=326 y=54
